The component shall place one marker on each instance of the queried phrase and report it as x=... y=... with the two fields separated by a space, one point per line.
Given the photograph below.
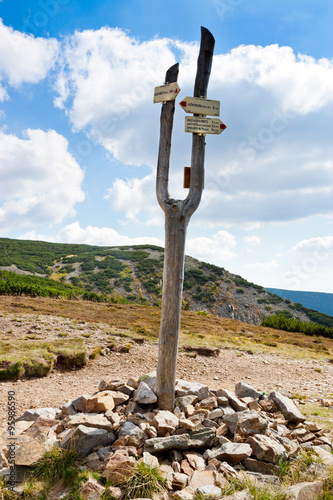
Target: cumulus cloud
x=324 y=244
x=104 y=236
x=216 y=249
x=40 y=180
x=267 y=266
x=273 y=163
x=23 y=58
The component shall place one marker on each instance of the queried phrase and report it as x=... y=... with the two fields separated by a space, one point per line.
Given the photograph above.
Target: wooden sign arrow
x=200 y=106
x=167 y=92
x=198 y=125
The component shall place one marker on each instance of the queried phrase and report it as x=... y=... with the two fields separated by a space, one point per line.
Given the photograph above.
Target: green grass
x=36 y=358
x=143 y=481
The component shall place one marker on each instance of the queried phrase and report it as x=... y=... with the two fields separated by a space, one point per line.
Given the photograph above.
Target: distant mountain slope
x=135 y=274
x=322 y=302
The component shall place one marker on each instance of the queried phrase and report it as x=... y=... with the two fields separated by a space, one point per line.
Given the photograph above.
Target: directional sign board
x=201 y=106
x=198 y=125
x=167 y=92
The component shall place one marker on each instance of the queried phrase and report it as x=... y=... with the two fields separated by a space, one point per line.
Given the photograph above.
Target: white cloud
x=105 y=236
x=252 y=240
x=273 y=163
x=23 y=58
x=320 y=244
x=40 y=180
x=267 y=266
x=216 y=249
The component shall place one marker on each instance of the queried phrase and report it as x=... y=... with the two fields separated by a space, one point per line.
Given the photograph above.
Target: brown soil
x=264 y=370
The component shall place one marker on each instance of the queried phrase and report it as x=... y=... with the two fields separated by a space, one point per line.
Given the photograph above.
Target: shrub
x=143 y=481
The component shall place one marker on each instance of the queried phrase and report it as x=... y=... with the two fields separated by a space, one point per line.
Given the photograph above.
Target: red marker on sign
x=222 y=126
x=183 y=104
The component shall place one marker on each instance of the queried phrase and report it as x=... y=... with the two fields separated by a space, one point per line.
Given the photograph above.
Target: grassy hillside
x=134 y=275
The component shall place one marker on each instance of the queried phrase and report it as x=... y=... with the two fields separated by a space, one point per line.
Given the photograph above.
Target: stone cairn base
x=210 y=437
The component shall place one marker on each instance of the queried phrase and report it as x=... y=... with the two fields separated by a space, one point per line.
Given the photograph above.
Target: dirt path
x=264 y=372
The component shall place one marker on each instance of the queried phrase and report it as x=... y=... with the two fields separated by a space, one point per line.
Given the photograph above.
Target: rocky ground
x=264 y=371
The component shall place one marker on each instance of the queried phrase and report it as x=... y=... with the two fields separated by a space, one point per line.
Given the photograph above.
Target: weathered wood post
x=177 y=217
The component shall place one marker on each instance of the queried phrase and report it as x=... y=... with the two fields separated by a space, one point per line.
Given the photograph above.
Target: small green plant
x=96 y=352
x=62 y=334
x=202 y=313
x=57 y=464
x=143 y=481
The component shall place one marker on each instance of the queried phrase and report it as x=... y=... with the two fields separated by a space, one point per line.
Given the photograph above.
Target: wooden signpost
x=167 y=92
x=200 y=106
x=198 y=125
x=177 y=217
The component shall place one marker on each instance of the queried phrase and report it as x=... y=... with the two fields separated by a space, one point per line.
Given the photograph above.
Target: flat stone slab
x=304 y=491
x=90 y=420
x=33 y=414
x=243 y=390
x=202 y=439
x=287 y=407
x=184 y=388
x=232 y=453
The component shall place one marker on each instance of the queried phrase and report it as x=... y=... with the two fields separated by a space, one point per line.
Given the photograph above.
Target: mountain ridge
x=135 y=273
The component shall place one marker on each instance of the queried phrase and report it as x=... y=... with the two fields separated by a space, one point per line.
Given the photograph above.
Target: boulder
x=266 y=448
x=28 y=449
x=179 y=481
x=144 y=395
x=84 y=439
x=262 y=467
x=243 y=390
x=184 y=401
x=287 y=407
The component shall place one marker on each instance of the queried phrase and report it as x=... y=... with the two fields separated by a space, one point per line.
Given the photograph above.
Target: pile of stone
x=208 y=438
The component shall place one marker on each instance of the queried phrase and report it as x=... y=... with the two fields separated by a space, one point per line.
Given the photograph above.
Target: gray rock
x=262 y=467
x=184 y=388
x=144 y=395
x=184 y=401
x=202 y=439
x=104 y=452
x=84 y=439
x=286 y=407
x=244 y=390
x=151 y=380
x=210 y=491
x=240 y=495
x=266 y=448
x=246 y=423
x=33 y=414
x=265 y=478
x=80 y=402
x=235 y=403
x=132 y=430
x=304 y=491
x=230 y=452
x=95 y=420
x=67 y=409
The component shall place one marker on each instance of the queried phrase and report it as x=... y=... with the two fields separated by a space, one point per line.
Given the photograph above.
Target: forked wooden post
x=177 y=217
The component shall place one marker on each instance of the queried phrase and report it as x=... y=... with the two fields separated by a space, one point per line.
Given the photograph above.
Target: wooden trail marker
x=177 y=217
x=167 y=92
x=200 y=106
x=204 y=125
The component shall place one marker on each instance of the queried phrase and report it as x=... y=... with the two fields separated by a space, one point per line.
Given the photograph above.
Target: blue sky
x=79 y=131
